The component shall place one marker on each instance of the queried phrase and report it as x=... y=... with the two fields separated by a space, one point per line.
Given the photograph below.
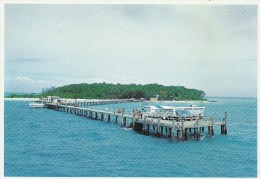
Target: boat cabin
x=53 y=99
x=173 y=112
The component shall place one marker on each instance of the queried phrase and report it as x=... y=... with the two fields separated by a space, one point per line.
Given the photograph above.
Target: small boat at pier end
x=37 y=104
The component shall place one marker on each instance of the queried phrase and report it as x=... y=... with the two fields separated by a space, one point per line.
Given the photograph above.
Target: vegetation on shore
x=118 y=91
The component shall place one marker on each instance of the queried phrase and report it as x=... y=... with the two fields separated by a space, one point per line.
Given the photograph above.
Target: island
x=118 y=91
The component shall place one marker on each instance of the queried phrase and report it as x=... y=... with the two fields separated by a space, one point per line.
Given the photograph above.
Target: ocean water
x=46 y=143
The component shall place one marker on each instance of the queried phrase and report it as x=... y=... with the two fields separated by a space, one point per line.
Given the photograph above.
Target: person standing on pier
x=118 y=110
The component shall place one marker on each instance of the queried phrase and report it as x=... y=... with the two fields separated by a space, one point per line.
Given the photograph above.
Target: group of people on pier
x=137 y=113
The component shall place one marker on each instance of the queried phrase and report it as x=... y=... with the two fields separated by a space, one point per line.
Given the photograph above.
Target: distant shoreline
x=182 y=101
x=188 y=101
x=21 y=99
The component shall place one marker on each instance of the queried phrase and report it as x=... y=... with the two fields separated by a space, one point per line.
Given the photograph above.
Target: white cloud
x=23 y=83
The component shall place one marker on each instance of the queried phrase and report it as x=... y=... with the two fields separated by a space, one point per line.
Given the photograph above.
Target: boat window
x=183 y=113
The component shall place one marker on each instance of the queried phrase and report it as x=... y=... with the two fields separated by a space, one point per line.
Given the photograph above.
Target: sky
x=207 y=47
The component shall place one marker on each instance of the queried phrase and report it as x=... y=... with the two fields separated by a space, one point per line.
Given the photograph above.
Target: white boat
x=173 y=112
x=53 y=99
x=36 y=104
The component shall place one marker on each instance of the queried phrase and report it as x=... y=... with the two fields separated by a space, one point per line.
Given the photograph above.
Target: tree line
x=120 y=91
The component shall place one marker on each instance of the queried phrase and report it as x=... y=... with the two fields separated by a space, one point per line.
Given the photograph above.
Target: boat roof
x=171 y=107
x=153 y=107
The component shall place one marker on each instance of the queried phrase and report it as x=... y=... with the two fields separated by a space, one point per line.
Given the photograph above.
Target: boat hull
x=36 y=106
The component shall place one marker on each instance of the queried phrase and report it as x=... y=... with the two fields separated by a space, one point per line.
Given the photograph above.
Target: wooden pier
x=180 y=129
x=83 y=102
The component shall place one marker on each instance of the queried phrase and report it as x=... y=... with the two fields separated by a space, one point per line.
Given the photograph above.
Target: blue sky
x=207 y=47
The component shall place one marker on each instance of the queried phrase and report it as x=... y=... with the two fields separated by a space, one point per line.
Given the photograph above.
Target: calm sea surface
x=43 y=142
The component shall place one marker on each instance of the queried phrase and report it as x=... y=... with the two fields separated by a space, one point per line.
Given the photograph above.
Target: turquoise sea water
x=43 y=142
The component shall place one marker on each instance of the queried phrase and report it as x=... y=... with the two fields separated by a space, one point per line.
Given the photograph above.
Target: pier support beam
x=195 y=133
x=222 y=129
x=123 y=122
x=198 y=133
x=178 y=134
x=148 y=129
x=157 y=131
x=170 y=133
x=224 y=126
x=138 y=127
x=182 y=134
x=186 y=134
x=161 y=134
x=133 y=121
x=102 y=117
x=225 y=129
x=116 y=120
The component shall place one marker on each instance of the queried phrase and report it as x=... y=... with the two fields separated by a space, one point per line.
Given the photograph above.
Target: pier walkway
x=86 y=102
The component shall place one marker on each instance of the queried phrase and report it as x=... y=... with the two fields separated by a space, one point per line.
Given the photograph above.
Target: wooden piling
x=182 y=129
x=170 y=133
x=198 y=129
x=186 y=134
x=212 y=127
x=133 y=121
x=173 y=127
x=178 y=134
x=212 y=130
x=224 y=130
x=225 y=124
x=198 y=133
x=182 y=134
x=124 y=121
x=157 y=130
x=161 y=131
x=195 y=133
x=116 y=120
